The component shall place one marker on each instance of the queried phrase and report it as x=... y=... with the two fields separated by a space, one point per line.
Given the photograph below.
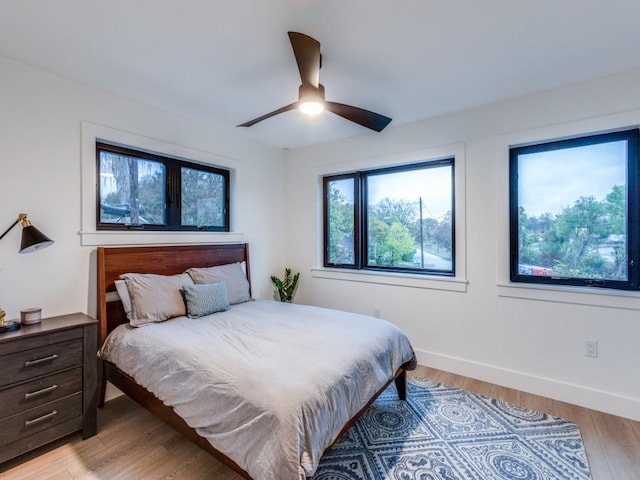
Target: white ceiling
x=228 y=61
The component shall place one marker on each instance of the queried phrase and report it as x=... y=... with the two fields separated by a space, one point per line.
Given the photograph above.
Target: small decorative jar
x=29 y=316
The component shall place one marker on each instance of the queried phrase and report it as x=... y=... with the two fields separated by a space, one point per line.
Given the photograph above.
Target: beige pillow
x=232 y=274
x=155 y=298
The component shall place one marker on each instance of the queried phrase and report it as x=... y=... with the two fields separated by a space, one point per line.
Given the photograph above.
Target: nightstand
x=48 y=380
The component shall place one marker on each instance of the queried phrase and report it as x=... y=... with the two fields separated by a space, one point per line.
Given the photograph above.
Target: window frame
x=632 y=136
x=357 y=221
x=173 y=205
x=361 y=208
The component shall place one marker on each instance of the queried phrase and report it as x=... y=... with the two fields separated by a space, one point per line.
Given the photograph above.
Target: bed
x=278 y=389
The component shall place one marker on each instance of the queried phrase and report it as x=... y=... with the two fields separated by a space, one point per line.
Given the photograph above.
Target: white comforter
x=269 y=384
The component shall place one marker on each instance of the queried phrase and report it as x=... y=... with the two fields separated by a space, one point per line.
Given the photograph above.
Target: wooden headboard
x=161 y=260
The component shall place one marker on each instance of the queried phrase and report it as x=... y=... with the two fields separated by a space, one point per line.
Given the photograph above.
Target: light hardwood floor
x=132 y=444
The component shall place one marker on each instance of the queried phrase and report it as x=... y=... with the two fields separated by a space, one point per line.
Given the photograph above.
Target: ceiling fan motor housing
x=309 y=93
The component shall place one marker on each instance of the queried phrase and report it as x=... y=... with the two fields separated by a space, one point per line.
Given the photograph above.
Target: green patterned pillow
x=205 y=299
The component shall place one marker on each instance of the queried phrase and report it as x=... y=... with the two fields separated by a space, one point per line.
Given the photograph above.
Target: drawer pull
x=31 y=363
x=42 y=418
x=40 y=392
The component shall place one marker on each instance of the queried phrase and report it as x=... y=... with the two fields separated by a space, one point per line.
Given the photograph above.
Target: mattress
x=268 y=384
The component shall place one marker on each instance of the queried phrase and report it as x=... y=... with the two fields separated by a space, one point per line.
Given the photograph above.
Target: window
x=140 y=190
x=574 y=212
x=391 y=219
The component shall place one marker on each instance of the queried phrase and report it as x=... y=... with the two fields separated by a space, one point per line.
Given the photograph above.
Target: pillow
x=155 y=298
x=205 y=299
x=232 y=274
x=121 y=288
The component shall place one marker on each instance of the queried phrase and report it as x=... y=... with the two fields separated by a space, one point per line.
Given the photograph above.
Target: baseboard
x=111 y=392
x=602 y=401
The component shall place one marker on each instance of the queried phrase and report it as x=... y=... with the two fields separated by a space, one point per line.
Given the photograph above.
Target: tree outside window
x=574 y=211
x=153 y=192
x=398 y=219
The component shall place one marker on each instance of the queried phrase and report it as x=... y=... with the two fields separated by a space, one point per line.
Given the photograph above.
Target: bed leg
x=401 y=384
x=103 y=384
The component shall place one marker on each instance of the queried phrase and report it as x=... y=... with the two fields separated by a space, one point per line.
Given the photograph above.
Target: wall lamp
x=32 y=238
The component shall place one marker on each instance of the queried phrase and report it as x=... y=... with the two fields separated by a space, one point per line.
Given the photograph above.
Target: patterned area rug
x=444 y=433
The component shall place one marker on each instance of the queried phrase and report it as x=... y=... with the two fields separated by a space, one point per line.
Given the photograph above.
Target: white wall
x=489 y=331
x=535 y=345
x=40 y=173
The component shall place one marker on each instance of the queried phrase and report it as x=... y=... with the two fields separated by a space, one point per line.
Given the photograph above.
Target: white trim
x=457 y=283
x=555 y=293
x=600 y=400
x=392 y=278
x=595 y=297
x=90 y=236
x=144 y=238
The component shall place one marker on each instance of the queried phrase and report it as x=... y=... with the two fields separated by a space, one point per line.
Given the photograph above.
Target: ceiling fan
x=311 y=92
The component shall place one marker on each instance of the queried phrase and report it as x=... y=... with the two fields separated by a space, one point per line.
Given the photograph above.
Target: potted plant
x=287 y=286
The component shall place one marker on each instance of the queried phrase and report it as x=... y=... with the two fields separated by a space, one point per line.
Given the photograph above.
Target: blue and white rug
x=444 y=433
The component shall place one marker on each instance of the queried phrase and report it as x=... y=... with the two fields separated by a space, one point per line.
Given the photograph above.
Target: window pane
x=340 y=198
x=572 y=212
x=409 y=219
x=203 y=198
x=131 y=190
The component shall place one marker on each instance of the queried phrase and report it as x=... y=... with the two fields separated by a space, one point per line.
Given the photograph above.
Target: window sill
x=396 y=279
x=142 y=238
x=596 y=297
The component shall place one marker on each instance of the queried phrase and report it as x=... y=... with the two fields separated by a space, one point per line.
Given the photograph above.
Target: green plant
x=287 y=286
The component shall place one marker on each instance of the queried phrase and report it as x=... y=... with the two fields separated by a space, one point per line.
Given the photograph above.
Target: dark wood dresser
x=48 y=382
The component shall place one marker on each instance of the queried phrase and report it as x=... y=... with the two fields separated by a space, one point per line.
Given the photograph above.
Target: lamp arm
x=9 y=229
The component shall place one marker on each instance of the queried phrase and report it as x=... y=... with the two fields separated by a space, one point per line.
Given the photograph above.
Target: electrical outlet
x=591 y=348
x=376 y=312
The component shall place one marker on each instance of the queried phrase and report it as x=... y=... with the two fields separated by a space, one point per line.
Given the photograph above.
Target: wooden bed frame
x=171 y=260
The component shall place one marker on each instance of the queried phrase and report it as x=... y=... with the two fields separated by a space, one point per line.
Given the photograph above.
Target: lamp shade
x=33 y=239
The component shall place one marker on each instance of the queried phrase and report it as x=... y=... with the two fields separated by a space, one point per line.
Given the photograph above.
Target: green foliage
x=151 y=198
x=582 y=241
x=287 y=286
x=397 y=245
x=614 y=205
x=394 y=231
x=202 y=198
x=402 y=211
x=442 y=236
x=140 y=185
x=341 y=223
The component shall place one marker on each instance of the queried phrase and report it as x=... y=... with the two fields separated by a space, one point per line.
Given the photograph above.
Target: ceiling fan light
x=311 y=107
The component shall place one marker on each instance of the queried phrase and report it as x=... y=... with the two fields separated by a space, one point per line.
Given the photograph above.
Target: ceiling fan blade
x=363 y=117
x=307 y=53
x=291 y=106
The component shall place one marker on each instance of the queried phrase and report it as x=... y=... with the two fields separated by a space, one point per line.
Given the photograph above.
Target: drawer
x=35 y=340
x=38 y=392
x=35 y=420
x=32 y=363
x=26 y=444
